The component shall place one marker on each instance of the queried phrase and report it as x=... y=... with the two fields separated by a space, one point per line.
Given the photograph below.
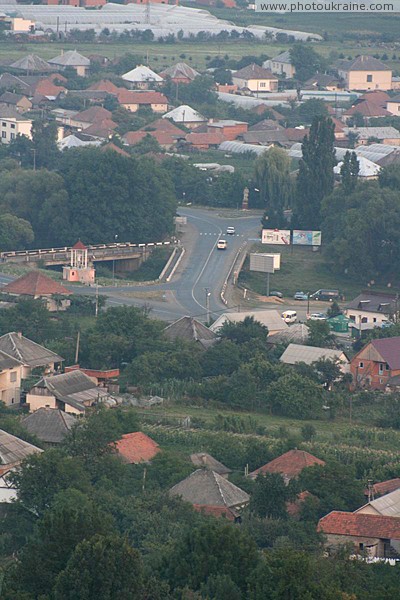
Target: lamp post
x=208 y=294
x=113 y=264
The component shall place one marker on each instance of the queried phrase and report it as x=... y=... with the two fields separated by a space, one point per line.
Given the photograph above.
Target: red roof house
x=289 y=465
x=136 y=447
x=373 y=534
x=37 y=285
x=376 y=364
x=204 y=141
x=104 y=86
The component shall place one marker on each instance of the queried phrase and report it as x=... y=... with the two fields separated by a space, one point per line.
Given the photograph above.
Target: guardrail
x=122 y=247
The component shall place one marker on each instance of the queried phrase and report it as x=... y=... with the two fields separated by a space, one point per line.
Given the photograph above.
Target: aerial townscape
x=199 y=301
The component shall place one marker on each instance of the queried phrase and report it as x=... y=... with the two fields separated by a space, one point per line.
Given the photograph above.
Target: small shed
x=339 y=324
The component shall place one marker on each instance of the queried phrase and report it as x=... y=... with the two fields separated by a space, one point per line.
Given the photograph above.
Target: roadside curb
x=176 y=265
x=225 y=285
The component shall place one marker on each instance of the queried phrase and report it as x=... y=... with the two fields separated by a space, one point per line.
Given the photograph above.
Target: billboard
x=263 y=263
x=276 y=236
x=306 y=238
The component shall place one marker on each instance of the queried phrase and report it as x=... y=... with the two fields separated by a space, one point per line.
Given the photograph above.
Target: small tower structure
x=79 y=269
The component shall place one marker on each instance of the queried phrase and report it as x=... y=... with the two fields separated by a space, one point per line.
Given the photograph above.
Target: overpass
x=127 y=254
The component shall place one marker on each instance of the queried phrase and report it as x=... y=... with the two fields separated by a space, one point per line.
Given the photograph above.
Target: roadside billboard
x=263 y=263
x=306 y=238
x=276 y=236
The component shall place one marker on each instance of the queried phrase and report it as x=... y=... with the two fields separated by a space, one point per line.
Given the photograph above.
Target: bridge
x=127 y=254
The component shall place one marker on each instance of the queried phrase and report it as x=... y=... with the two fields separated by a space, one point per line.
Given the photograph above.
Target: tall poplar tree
x=315 y=179
x=349 y=172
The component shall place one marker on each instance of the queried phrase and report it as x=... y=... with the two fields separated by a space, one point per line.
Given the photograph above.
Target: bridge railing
x=118 y=246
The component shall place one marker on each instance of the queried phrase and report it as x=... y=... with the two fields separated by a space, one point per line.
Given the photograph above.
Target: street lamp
x=113 y=264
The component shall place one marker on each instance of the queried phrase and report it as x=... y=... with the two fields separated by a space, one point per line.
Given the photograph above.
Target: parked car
x=300 y=296
x=222 y=244
x=230 y=230
x=327 y=295
x=276 y=294
x=317 y=317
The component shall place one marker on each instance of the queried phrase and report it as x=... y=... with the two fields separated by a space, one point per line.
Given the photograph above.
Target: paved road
x=203 y=267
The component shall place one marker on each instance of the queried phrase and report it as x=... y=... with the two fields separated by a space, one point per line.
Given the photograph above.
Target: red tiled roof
x=290 y=464
x=101 y=128
x=389 y=349
x=163 y=125
x=203 y=139
x=162 y=137
x=115 y=148
x=215 y=511
x=339 y=126
x=360 y=525
x=367 y=109
x=94 y=114
x=104 y=86
x=35 y=283
x=296 y=135
x=377 y=96
x=131 y=97
x=385 y=487
x=45 y=87
x=79 y=246
x=137 y=447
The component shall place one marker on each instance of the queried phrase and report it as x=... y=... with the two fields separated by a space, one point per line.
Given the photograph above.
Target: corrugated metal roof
x=27 y=351
x=210 y=489
x=184 y=114
x=49 y=424
x=270 y=318
x=296 y=353
x=388 y=505
x=141 y=74
x=13 y=449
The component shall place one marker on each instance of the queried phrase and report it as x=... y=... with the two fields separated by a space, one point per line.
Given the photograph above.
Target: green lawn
x=301 y=269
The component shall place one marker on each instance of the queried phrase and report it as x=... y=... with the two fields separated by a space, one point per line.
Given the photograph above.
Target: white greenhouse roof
x=241 y=148
x=367 y=167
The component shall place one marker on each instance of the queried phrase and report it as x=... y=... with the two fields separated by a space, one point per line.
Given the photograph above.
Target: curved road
x=203 y=266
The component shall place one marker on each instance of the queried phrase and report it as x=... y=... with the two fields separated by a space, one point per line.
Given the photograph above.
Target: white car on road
x=230 y=231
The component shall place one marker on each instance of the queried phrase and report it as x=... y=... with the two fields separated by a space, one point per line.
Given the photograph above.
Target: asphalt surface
x=203 y=267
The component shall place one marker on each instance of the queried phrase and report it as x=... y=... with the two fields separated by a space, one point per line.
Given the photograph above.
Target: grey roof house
x=29 y=353
x=210 y=493
x=71 y=392
x=387 y=506
x=50 y=425
x=206 y=461
x=13 y=450
x=190 y=329
x=297 y=353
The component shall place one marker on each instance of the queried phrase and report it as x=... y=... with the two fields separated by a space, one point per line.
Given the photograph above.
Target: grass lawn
x=301 y=269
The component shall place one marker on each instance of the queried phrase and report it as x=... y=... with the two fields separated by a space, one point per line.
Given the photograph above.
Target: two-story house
x=376 y=363
x=281 y=65
x=255 y=79
x=371 y=309
x=365 y=73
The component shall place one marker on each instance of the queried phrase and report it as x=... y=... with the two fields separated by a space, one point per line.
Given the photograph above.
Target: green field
x=162 y=55
x=301 y=269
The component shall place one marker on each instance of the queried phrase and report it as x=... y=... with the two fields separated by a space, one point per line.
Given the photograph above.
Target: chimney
x=19 y=334
x=203 y=459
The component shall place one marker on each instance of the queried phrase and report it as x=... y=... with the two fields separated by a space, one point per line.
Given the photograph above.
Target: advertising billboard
x=263 y=263
x=276 y=236
x=306 y=238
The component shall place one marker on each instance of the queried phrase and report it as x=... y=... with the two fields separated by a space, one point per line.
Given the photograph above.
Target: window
x=4 y=124
x=380 y=369
x=3 y=134
x=387 y=367
x=13 y=376
x=263 y=84
x=361 y=365
x=352 y=317
x=12 y=125
x=12 y=136
x=363 y=319
x=374 y=319
x=369 y=78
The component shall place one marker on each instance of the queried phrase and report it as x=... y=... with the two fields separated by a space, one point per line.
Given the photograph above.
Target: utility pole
x=97 y=301
x=34 y=158
x=208 y=294
x=78 y=339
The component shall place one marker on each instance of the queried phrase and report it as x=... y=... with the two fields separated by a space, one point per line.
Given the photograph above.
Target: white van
x=222 y=245
x=289 y=316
